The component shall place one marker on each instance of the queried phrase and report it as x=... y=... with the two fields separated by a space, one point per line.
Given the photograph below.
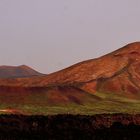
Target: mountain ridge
x=93 y=75
x=110 y=83
x=110 y=61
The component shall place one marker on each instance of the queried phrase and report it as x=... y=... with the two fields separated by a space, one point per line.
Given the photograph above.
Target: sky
x=49 y=35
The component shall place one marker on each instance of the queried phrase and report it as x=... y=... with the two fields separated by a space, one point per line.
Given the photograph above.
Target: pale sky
x=49 y=35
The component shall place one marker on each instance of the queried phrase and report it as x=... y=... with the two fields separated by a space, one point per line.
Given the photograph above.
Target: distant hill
x=17 y=71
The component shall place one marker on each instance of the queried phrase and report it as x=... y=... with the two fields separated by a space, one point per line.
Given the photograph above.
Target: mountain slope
x=122 y=61
x=110 y=83
x=17 y=71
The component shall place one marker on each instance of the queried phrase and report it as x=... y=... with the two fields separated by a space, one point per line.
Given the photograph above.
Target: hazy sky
x=49 y=35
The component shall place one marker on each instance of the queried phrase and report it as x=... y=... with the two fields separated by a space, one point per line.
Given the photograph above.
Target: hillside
x=107 y=84
x=105 y=67
x=17 y=71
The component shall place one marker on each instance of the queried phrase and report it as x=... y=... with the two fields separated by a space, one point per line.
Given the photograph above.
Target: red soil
x=116 y=72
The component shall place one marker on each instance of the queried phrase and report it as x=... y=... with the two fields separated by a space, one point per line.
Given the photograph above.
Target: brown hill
x=117 y=73
x=17 y=71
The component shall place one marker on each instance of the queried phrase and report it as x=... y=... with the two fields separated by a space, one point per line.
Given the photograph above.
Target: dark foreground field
x=70 y=127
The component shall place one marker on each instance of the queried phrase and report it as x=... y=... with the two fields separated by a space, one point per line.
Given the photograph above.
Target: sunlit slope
x=110 y=83
x=118 y=72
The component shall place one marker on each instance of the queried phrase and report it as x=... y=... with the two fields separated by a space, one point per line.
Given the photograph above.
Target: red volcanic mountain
x=17 y=71
x=117 y=72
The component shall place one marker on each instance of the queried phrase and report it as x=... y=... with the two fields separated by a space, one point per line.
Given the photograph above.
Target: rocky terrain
x=70 y=127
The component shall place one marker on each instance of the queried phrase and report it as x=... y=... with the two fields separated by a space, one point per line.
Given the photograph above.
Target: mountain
x=117 y=71
x=110 y=83
x=17 y=71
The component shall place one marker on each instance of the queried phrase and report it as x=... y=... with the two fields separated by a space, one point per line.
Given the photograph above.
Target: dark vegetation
x=70 y=127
